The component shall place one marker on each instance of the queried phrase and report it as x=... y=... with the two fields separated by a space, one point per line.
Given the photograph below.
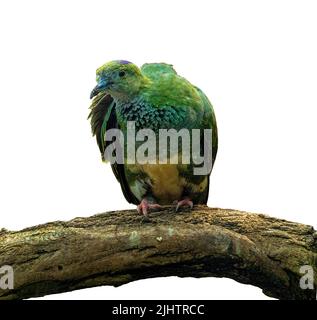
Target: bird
x=154 y=97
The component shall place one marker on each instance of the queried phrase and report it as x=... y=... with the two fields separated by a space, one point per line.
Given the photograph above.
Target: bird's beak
x=102 y=85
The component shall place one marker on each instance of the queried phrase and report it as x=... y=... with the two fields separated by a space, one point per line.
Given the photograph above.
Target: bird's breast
x=164 y=181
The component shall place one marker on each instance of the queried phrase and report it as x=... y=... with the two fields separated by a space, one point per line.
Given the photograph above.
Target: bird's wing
x=165 y=77
x=209 y=122
x=100 y=112
x=102 y=118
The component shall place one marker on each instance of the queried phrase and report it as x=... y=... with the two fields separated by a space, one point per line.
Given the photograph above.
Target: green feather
x=104 y=125
x=100 y=111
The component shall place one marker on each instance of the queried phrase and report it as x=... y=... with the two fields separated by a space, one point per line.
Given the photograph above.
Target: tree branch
x=115 y=248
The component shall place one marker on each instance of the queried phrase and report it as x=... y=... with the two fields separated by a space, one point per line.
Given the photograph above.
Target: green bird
x=153 y=97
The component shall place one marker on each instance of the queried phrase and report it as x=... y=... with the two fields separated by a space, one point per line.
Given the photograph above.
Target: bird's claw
x=183 y=203
x=144 y=207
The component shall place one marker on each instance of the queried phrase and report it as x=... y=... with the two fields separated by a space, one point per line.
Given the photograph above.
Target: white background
x=256 y=60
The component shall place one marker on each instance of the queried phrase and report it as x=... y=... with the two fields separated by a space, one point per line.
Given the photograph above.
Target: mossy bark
x=115 y=248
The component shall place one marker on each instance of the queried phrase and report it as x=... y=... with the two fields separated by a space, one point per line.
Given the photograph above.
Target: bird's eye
x=121 y=74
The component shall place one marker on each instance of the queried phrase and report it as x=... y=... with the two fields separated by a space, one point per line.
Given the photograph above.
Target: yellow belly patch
x=167 y=184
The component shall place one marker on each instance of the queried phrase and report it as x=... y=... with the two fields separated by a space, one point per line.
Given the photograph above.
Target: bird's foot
x=145 y=206
x=183 y=203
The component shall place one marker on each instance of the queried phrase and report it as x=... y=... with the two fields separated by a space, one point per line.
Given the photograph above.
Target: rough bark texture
x=115 y=248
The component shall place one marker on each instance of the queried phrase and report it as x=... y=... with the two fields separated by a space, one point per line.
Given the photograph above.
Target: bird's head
x=121 y=79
